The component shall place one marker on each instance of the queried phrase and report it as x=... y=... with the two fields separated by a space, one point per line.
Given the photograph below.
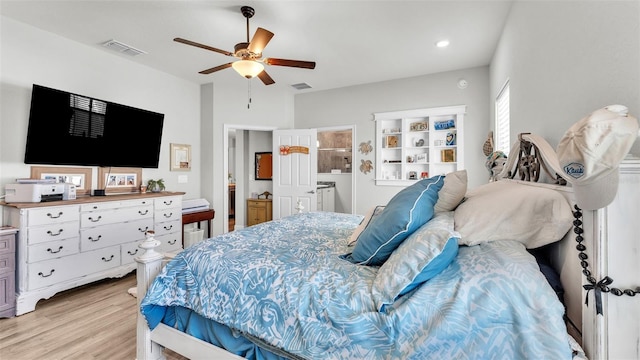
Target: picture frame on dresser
x=119 y=179
x=80 y=177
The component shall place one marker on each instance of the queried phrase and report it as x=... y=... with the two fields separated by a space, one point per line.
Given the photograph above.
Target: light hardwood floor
x=95 y=321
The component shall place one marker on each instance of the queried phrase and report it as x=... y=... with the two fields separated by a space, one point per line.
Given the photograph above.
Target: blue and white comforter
x=283 y=282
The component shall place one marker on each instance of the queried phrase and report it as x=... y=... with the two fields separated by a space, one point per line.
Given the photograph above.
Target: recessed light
x=442 y=43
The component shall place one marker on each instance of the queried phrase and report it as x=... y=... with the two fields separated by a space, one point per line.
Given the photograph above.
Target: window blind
x=503 y=141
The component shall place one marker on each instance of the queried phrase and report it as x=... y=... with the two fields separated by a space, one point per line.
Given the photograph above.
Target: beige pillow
x=372 y=213
x=452 y=192
x=508 y=210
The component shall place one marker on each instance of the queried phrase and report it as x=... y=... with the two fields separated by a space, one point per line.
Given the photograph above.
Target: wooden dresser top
x=92 y=199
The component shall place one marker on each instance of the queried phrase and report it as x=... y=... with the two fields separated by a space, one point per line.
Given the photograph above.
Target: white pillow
x=452 y=192
x=508 y=210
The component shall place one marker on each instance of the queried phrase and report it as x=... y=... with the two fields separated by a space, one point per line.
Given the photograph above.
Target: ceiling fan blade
x=260 y=39
x=202 y=46
x=291 y=63
x=214 y=69
x=266 y=79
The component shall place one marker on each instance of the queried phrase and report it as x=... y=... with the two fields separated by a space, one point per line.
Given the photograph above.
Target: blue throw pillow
x=406 y=211
x=423 y=255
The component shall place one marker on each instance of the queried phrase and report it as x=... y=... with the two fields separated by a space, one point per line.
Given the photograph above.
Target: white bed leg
x=149 y=265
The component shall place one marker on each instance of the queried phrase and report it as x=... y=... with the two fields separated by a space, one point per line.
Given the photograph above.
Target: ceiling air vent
x=301 y=86
x=116 y=45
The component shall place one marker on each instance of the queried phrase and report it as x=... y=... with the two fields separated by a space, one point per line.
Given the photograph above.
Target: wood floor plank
x=92 y=322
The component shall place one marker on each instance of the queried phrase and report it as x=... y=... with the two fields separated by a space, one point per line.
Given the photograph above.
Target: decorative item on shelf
x=424 y=175
x=420 y=143
x=438 y=142
x=444 y=125
x=413 y=175
x=143 y=189
x=451 y=139
x=366 y=166
x=419 y=126
x=409 y=158
x=448 y=155
x=392 y=141
x=155 y=185
x=365 y=147
x=422 y=158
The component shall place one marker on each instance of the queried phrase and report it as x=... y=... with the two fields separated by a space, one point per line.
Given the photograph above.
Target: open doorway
x=335 y=165
x=241 y=142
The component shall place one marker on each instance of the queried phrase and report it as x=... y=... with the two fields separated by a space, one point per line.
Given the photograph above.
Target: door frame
x=225 y=161
x=353 y=158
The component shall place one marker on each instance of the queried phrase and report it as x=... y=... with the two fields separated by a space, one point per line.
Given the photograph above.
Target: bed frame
x=564 y=259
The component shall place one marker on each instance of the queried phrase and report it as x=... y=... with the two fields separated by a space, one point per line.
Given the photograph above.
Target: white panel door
x=295 y=171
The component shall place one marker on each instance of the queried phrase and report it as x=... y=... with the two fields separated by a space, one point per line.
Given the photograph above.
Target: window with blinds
x=503 y=142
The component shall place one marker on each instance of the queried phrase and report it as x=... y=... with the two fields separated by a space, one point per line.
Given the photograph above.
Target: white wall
x=30 y=55
x=566 y=59
x=355 y=106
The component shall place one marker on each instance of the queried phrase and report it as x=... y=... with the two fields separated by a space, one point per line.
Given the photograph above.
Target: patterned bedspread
x=283 y=282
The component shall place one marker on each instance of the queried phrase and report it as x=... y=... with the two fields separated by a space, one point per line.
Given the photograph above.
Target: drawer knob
x=171 y=242
x=95 y=220
x=168 y=216
x=168 y=202
x=56 y=234
x=50 y=273
x=144 y=230
x=55 y=252
x=96 y=239
x=107 y=260
x=132 y=253
x=54 y=216
x=169 y=227
x=143 y=213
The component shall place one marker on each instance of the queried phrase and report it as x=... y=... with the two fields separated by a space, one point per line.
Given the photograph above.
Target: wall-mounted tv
x=72 y=129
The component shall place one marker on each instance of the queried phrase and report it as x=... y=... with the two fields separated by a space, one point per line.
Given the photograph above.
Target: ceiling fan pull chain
x=249 y=93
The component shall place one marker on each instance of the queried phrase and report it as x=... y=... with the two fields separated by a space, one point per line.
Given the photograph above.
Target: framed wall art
x=180 y=157
x=119 y=180
x=80 y=177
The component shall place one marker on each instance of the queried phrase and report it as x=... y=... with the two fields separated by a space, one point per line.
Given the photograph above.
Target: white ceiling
x=353 y=42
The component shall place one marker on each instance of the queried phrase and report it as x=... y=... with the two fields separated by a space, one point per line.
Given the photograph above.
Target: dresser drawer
x=52 y=250
x=51 y=272
x=168 y=202
x=40 y=234
x=113 y=234
x=7 y=263
x=7 y=244
x=168 y=215
x=52 y=215
x=94 y=218
x=170 y=242
x=129 y=251
x=107 y=205
x=168 y=227
x=256 y=203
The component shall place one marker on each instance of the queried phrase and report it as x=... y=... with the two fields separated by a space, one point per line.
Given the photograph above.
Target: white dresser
x=64 y=244
x=615 y=253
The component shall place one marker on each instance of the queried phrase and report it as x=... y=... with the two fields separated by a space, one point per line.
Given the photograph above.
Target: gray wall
x=355 y=106
x=566 y=59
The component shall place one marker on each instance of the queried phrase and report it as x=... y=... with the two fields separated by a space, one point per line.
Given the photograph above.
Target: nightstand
x=258 y=211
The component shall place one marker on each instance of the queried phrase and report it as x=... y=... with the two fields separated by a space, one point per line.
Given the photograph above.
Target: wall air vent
x=116 y=45
x=301 y=86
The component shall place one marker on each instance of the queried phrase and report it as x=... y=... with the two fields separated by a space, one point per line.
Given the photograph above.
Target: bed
x=442 y=278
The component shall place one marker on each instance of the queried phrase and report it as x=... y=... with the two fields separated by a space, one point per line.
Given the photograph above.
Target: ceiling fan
x=249 y=54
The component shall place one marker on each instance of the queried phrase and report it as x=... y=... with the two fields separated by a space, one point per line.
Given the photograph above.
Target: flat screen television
x=71 y=129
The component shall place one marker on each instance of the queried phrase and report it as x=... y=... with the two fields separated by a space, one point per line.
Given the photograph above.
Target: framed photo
x=180 y=157
x=392 y=141
x=419 y=126
x=80 y=177
x=119 y=180
x=421 y=158
x=448 y=155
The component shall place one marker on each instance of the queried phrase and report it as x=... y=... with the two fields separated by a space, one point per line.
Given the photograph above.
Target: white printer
x=37 y=192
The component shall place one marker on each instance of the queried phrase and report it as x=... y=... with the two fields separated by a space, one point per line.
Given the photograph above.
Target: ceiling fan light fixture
x=248 y=68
